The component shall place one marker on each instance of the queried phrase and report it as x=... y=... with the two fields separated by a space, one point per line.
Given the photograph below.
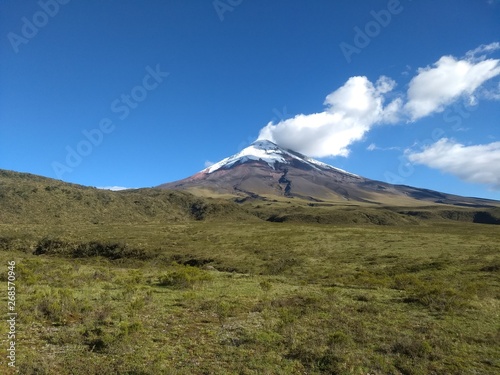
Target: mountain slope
x=31 y=199
x=35 y=200
x=265 y=170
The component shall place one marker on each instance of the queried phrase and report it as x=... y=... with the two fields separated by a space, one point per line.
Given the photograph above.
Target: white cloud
x=436 y=87
x=208 y=163
x=477 y=164
x=372 y=147
x=350 y=113
x=113 y=188
x=354 y=109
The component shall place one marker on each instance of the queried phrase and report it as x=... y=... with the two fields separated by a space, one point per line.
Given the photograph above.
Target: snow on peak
x=270 y=153
x=264 y=144
x=259 y=150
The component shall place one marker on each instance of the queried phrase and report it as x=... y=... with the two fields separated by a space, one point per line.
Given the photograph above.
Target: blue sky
x=137 y=93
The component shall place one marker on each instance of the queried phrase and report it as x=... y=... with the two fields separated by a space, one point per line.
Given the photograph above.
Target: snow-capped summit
x=264 y=171
x=270 y=153
x=262 y=150
x=265 y=168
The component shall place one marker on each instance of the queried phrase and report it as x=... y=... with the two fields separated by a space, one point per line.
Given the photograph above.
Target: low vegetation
x=29 y=199
x=159 y=282
x=255 y=298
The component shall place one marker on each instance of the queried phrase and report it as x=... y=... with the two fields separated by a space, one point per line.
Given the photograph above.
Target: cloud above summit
x=352 y=110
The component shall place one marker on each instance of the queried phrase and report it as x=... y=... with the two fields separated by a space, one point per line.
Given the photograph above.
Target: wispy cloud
x=479 y=53
x=491 y=93
x=374 y=147
x=476 y=163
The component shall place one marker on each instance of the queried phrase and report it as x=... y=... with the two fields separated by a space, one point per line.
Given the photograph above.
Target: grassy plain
x=254 y=297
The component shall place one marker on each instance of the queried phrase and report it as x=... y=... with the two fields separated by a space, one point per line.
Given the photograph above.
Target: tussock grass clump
x=441 y=298
x=183 y=277
x=59 y=305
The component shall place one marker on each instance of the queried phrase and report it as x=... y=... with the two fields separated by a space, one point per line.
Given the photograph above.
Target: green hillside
x=161 y=282
x=26 y=198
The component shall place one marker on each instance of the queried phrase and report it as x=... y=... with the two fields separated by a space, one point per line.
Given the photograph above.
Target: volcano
x=267 y=171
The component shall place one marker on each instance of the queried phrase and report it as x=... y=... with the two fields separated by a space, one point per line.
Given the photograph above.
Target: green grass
x=26 y=198
x=161 y=282
x=40 y=201
x=262 y=298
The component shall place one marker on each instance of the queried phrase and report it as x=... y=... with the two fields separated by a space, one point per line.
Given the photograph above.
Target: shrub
x=128 y=328
x=281 y=265
x=412 y=348
x=182 y=277
x=266 y=285
x=57 y=305
x=111 y=250
x=321 y=360
x=493 y=267
x=52 y=246
x=33 y=364
x=5 y=243
x=98 y=339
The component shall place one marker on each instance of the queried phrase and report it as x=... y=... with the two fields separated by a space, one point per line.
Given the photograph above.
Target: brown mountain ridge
x=266 y=171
